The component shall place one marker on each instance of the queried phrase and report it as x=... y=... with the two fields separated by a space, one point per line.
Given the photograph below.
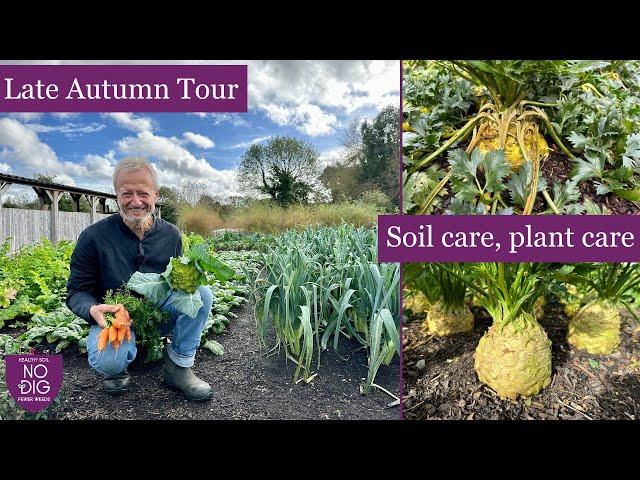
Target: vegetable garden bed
x=440 y=381
x=247 y=384
x=248 y=381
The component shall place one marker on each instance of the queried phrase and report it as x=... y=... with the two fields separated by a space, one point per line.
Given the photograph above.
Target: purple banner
x=34 y=380
x=123 y=88
x=508 y=238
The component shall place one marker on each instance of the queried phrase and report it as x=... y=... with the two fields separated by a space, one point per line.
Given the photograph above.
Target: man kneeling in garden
x=107 y=254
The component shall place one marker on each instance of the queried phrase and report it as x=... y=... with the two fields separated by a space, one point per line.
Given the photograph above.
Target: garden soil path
x=441 y=383
x=247 y=384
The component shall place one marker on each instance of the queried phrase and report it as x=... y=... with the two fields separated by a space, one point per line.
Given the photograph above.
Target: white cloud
x=279 y=114
x=331 y=156
x=99 y=166
x=306 y=94
x=234 y=119
x=249 y=143
x=347 y=85
x=175 y=163
x=67 y=129
x=314 y=122
x=23 y=146
x=5 y=168
x=65 y=115
x=26 y=116
x=198 y=140
x=131 y=122
x=307 y=118
x=25 y=154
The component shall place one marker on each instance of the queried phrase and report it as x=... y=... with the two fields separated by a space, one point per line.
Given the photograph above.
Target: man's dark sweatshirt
x=108 y=253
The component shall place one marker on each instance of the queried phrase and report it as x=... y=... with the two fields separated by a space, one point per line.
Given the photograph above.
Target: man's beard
x=136 y=222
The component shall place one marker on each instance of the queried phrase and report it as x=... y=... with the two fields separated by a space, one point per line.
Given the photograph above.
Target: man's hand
x=97 y=313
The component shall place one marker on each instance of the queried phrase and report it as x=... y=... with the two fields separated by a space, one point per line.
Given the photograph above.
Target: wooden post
x=76 y=201
x=44 y=199
x=159 y=211
x=54 y=196
x=102 y=201
x=92 y=203
x=4 y=186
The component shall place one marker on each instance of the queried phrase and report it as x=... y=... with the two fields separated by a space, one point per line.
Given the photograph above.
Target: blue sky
x=311 y=100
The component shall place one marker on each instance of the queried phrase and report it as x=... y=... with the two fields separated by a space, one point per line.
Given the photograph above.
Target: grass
x=199 y=219
x=265 y=218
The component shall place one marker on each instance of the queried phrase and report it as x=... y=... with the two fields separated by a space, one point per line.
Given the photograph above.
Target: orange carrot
x=103 y=338
x=113 y=334
x=128 y=334
x=121 y=333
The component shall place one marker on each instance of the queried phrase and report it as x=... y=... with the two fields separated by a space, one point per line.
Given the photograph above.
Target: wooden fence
x=27 y=227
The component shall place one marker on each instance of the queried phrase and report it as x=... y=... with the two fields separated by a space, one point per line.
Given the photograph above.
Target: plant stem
x=552 y=205
x=460 y=135
x=435 y=192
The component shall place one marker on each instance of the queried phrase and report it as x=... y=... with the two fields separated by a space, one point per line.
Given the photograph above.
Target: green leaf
x=186 y=303
x=601 y=188
x=495 y=169
x=210 y=263
x=463 y=166
x=578 y=141
x=62 y=345
x=419 y=185
x=592 y=208
x=594 y=364
x=214 y=347
x=154 y=286
x=631 y=195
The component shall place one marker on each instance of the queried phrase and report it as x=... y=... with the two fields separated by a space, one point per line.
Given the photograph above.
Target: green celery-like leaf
x=592 y=167
x=419 y=185
x=578 y=141
x=592 y=208
x=463 y=166
x=565 y=193
x=495 y=169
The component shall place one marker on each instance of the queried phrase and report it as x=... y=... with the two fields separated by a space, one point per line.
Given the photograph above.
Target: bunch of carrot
x=119 y=328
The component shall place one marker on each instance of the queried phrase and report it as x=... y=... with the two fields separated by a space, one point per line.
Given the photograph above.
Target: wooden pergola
x=49 y=195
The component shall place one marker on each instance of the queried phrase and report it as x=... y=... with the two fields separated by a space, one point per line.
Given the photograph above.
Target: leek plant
x=595 y=327
x=446 y=293
x=323 y=284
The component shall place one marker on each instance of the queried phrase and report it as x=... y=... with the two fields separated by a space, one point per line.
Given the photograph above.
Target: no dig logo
x=34 y=380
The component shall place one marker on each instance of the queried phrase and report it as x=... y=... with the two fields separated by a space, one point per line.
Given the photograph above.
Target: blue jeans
x=182 y=350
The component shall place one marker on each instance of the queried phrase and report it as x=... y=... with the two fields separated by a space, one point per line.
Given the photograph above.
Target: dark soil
x=556 y=169
x=582 y=387
x=247 y=384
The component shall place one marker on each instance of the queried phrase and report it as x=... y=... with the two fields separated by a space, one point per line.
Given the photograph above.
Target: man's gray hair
x=135 y=163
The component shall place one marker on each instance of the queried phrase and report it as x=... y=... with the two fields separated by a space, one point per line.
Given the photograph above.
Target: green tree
x=343 y=180
x=285 y=168
x=224 y=209
x=381 y=151
x=170 y=200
